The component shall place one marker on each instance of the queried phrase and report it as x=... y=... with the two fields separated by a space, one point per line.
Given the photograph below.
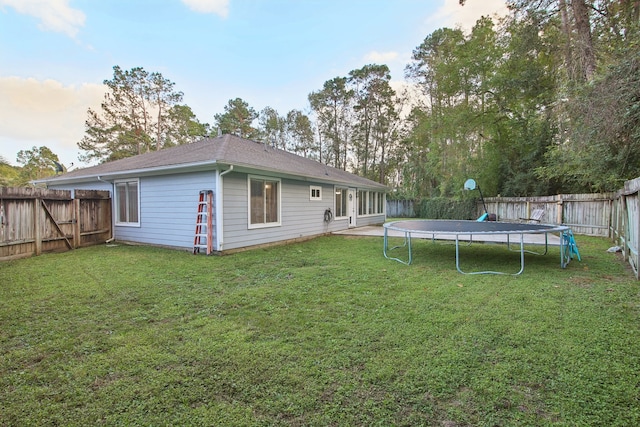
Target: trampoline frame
x=458 y=228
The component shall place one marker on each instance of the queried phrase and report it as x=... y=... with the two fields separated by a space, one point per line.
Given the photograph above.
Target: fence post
x=610 y=218
x=37 y=225
x=636 y=237
x=625 y=228
x=560 y=210
x=77 y=238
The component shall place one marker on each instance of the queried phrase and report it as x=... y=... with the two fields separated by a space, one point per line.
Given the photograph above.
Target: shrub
x=445 y=208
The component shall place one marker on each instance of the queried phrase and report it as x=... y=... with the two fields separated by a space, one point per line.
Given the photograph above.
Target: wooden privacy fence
x=614 y=215
x=400 y=208
x=588 y=214
x=625 y=222
x=35 y=220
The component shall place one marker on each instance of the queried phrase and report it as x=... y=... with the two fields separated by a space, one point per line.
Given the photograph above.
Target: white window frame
x=362 y=202
x=371 y=200
x=278 y=223
x=117 y=202
x=345 y=194
x=315 y=193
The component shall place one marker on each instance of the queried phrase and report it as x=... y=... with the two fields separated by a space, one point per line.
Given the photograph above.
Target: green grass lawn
x=325 y=332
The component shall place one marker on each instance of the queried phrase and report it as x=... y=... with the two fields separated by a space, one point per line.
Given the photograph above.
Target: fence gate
x=35 y=220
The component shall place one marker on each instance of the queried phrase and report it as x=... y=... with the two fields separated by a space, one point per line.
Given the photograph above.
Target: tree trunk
x=584 y=42
x=566 y=29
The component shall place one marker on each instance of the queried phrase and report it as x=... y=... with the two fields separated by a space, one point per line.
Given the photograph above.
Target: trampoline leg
x=522 y=251
x=458 y=256
x=546 y=245
x=521 y=255
x=407 y=241
x=563 y=246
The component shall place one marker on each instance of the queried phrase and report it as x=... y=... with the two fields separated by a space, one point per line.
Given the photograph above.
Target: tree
x=525 y=84
x=163 y=97
x=487 y=114
x=602 y=147
x=333 y=106
x=299 y=132
x=8 y=174
x=237 y=119
x=183 y=127
x=272 y=127
x=441 y=67
x=375 y=120
x=137 y=115
x=418 y=168
x=37 y=163
x=575 y=21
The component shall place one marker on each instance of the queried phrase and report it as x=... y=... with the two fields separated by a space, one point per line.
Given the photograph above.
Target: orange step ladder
x=204 y=223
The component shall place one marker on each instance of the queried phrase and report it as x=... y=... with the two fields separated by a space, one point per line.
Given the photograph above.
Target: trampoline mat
x=470 y=227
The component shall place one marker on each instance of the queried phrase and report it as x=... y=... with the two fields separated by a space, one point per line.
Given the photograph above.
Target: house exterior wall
x=300 y=216
x=364 y=220
x=169 y=203
x=168 y=207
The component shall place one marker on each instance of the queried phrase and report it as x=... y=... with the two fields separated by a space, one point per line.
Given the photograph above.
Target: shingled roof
x=220 y=152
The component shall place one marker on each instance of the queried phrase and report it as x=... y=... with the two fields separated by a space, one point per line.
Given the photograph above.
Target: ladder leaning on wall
x=204 y=223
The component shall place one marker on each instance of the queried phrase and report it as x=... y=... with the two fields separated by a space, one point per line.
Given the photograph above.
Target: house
x=260 y=194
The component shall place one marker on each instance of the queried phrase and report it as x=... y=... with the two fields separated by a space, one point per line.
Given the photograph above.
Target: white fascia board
x=246 y=168
x=110 y=176
x=193 y=167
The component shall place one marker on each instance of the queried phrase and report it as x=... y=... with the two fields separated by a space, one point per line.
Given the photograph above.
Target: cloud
x=54 y=15
x=452 y=14
x=218 y=7
x=34 y=111
x=381 y=57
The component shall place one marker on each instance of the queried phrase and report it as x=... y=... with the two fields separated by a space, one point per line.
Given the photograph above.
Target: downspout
x=219 y=208
x=113 y=219
x=227 y=171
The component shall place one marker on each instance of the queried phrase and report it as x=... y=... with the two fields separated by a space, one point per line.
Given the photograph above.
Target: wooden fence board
x=28 y=193
x=632 y=230
x=400 y=208
x=586 y=213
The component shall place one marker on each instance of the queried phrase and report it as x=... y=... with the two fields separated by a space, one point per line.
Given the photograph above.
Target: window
x=264 y=202
x=127 y=202
x=370 y=203
x=315 y=193
x=341 y=202
x=362 y=202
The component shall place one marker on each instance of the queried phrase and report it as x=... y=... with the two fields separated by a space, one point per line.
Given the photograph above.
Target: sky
x=55 y=54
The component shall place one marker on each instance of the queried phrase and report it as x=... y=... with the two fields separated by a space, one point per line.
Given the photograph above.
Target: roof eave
x=110 y=176
x=198 y=166
x=248 y=168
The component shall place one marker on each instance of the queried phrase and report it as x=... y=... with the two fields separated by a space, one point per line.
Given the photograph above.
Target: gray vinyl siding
x=168 y=206
x=300 y=216
x=363 y=221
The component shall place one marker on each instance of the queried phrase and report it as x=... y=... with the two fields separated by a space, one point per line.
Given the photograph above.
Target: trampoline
x=465 y=230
